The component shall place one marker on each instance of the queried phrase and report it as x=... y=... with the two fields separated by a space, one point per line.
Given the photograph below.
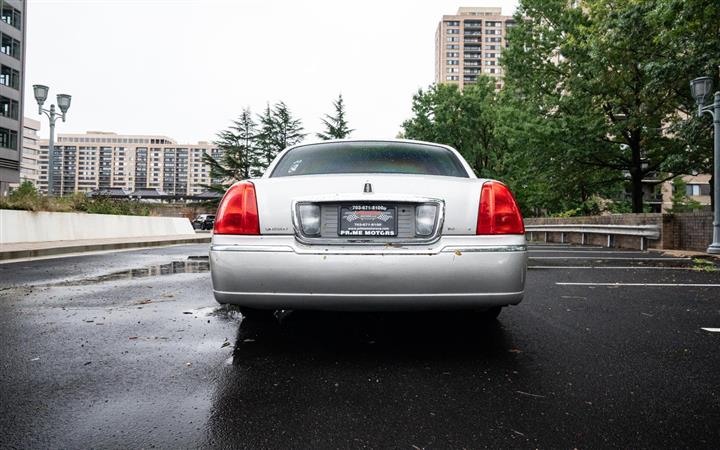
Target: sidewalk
x=50 y=248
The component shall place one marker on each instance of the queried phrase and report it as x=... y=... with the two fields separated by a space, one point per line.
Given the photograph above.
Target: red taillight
x=498 y=212
x=238 y=212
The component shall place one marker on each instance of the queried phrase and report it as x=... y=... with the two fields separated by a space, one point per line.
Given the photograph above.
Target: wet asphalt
x=130 y=350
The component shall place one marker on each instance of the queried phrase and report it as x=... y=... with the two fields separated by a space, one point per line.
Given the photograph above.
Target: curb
x=80 y=248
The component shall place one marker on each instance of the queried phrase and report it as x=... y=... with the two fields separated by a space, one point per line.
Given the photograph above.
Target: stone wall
x=686 y=231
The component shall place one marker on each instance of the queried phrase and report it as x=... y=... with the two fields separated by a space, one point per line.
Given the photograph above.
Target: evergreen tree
x=336 y=127
x=239 y=159
x=278 y=130
x=265 y=141
x=288 y=131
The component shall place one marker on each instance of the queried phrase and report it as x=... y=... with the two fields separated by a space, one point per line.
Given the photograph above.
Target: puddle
x=193 y=264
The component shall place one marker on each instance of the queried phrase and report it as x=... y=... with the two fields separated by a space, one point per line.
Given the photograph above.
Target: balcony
x=469 y=24
x=472 y=63
x=471 y=56
x=473 y=49
x=473 y=33
x=472 y=40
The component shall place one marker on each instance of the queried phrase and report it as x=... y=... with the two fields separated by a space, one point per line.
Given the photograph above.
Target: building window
x=453 y=39
x=453 y=31
x=453 y=47
x=452 y=54
x=489 y=55
x=453 y=69
x=8 y=108
x=8 y=138
x=697 y=189
x=453 y=78
x=453 y=62
x=11 y=16
x=452 y=23
x=9 y=77
x=10 y=46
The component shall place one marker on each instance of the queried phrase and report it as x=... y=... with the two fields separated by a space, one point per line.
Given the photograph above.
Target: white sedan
x=369 y=225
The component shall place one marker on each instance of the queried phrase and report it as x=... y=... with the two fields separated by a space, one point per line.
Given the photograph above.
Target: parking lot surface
x=129 y=350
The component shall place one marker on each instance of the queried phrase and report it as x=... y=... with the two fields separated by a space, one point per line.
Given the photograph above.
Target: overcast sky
x=185 y=68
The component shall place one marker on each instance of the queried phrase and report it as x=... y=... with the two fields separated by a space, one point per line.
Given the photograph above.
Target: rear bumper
x=277 y=272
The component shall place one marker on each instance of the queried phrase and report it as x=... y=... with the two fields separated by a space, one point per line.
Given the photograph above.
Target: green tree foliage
x=239 y=158
x=248 y=147
x=597 y=81
x=336 y=127
x=680 y=201
x=537 y=167
x=278 y=130
x=465 y=120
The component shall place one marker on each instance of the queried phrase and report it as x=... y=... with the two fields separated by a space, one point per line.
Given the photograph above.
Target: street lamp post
x=700 y=88
x=63 y=101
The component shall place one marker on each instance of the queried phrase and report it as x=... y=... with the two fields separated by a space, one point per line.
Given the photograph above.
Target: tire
x=490 y=314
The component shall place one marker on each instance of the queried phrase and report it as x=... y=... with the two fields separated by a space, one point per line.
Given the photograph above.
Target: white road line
x=640 y=284
x=712 y=330
x=605 y=258
x=610 y=267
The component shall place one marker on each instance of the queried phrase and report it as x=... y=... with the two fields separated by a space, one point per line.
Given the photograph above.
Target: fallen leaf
x=133 y=337
x=515 y=350
x=143 y=302
x=225 y=344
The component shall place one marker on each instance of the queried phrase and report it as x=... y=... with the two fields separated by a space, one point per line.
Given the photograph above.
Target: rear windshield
x=369 y=157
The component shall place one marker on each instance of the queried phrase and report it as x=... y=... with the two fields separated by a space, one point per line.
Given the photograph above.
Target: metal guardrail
x=644 y=232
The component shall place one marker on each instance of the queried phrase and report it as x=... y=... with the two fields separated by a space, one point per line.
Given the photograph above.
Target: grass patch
x=26 y=198
x=704 y=265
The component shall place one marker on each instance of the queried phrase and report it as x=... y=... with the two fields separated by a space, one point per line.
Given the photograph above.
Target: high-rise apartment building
x=469 y=43
x=12 y=82
x=30 y=163
x=103 y=160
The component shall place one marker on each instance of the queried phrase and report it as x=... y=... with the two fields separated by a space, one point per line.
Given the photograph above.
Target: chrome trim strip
x=306 y=294
x=251 y=248
x=371 y=250
x=495 y=249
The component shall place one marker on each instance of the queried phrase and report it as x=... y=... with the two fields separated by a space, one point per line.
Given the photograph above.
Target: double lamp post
x=63 y=101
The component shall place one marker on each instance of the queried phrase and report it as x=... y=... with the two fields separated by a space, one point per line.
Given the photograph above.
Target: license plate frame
x=367 y=220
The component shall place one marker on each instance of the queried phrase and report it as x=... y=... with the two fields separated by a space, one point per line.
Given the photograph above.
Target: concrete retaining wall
x=684 y=231
x=27 y=226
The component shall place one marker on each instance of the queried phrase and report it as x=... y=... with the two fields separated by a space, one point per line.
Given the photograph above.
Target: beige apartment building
x=99 y=160
x=469 y=43
x=30 y=163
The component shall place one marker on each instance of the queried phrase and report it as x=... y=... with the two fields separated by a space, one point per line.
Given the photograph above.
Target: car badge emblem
x=368 y=188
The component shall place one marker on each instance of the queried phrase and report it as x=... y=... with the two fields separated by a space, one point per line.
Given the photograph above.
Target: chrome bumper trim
x=363 y=295
x=368 y=250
